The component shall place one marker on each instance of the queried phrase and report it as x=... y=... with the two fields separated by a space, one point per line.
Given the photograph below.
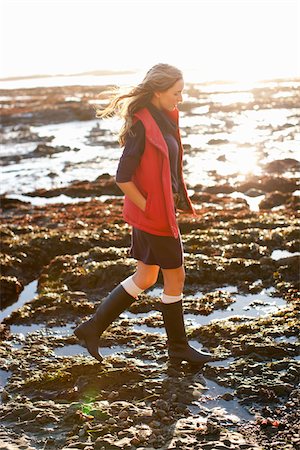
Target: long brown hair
x=158 y=79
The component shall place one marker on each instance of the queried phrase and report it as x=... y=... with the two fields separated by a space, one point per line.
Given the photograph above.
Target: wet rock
x=273 y=199
x=253 y=251
x=13 y=203
x=227 y=396
x=282 y=165
x=48 y=150
x=4 y=332
x=252 y=192
x=105 y=184
x=10 y=289
x=288 y=269
x=217 y=141
x=22 y=133
x=225 y=188
x=212 y=427
x=5 y=397
x=268 y=184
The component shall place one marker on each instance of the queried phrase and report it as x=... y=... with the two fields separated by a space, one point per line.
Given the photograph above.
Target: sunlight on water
x=84 y=80
x=253 y=202
x=243 y=161
x=278 y=254
x=232 y=97
x=229 y=144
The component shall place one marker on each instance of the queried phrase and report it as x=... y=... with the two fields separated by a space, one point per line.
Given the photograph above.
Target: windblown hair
x=158 y=79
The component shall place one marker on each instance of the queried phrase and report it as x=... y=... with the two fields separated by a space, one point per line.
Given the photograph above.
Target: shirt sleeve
x=132 y=153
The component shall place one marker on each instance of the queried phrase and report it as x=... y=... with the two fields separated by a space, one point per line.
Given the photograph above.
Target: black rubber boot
x=178 y=347
x=110 y=308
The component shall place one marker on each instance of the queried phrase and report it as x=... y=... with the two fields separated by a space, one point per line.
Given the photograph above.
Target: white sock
x=130 y=287
x=170 y=298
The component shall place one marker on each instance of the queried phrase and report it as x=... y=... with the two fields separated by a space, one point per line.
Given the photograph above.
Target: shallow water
x=221 y=143
x=76 y=350
x=26 y=295
x=248 y=306
x=287 y=339
x=4 y=376
x=25 y=329
x=210 y=399
x=211 y=396
x=278 y=254
x=253 y=202
x=42 y=201
x=147 y=329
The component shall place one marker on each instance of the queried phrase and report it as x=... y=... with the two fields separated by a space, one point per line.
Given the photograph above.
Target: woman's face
x=170 y=98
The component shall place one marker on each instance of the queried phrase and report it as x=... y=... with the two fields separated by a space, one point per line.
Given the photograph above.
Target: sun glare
x=244 y=162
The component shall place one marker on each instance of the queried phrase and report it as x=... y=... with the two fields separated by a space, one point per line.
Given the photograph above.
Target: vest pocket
x=155 y=212
x=148 y=204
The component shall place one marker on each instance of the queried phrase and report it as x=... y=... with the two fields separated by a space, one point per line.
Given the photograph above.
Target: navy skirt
x=163 y=251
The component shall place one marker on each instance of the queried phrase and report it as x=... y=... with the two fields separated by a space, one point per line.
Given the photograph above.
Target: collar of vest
x=174 y=115
x=153 y=132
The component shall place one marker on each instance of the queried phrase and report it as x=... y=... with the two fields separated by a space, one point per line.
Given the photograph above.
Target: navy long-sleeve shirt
x=135 y=146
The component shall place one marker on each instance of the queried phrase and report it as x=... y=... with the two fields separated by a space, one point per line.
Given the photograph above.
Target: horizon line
x=105 y=72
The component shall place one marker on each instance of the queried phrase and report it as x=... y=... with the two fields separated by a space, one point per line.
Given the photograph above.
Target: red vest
x=153 y=179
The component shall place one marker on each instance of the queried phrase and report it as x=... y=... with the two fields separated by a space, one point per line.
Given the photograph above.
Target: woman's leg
x=178 y=346
x=119 y=299
x=145 y=275
x=173 y=281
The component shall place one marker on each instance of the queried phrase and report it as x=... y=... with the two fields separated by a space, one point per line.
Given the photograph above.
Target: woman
x=150 y=175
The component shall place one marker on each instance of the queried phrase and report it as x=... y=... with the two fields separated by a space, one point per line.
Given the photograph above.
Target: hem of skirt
x=154 y=263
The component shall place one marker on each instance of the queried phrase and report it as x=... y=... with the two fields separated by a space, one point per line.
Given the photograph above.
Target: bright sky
x=220 y=39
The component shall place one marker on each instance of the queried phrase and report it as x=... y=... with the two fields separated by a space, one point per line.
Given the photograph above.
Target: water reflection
x=248 y=306
x=232 y=97
x=4 y=376
x=278 y=254
x=74 y=350
x=253 y=202
x=26 y=295
x=247 y=138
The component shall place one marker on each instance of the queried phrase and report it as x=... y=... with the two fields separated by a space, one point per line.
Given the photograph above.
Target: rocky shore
x=241 y=301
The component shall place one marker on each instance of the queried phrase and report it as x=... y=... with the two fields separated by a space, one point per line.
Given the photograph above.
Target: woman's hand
x=132 y=192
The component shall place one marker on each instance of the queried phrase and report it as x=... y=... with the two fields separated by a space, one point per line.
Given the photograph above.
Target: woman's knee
x=174 y=280
x=146 y=276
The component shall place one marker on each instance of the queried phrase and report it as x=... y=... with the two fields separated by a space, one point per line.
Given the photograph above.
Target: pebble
x=113 y=395
x=123 y=414
x=111 y=421
x=160 y=413
x=5 y=396
x=135 y=441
